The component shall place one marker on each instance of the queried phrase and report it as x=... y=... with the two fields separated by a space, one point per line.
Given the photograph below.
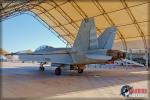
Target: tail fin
x=86 y=37
x=106 y=40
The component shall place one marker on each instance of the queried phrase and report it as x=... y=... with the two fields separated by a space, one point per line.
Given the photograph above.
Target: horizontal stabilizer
x=98 y=57
x=133 y=62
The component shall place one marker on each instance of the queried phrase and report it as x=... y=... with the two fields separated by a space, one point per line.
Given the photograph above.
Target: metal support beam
x=134 y=22
x=52 y=18
x=110 y=21
x=80 y=11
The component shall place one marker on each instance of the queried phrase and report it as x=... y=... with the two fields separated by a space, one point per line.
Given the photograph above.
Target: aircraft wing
x=54 y=57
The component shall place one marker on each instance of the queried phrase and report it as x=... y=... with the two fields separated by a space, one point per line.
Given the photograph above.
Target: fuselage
x=68 y=56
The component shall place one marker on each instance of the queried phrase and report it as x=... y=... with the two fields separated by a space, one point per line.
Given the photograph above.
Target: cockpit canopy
x=44 y=48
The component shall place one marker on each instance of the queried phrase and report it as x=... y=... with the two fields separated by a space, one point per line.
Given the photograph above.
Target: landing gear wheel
x=80 y=71
x=41 y=68
x=58 y=71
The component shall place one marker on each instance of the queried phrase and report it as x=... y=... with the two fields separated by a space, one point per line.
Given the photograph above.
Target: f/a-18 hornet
x=87 y=49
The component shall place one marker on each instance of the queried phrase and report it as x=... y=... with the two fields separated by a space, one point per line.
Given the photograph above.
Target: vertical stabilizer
x=106 y=39
x=93 y=37
x=86 y=37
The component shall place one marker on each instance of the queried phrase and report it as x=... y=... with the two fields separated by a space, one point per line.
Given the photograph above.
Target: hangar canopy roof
x=64 y=18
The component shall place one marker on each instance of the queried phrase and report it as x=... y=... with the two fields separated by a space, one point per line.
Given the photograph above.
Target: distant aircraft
x=87 y=49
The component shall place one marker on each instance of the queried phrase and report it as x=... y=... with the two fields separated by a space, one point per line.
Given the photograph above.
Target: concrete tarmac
x=24 y=80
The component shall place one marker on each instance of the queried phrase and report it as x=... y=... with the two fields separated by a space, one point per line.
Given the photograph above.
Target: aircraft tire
x=80 y=71
x=41 y=68
x=58 y=71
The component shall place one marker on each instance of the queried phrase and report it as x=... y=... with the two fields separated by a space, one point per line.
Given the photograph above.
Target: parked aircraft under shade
x=87 y=49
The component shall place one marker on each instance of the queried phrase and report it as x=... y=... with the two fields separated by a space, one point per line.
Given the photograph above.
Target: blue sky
x=25 y=32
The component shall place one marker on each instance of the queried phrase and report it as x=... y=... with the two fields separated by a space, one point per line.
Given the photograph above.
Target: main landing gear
x=78 y=68
x=58 y=70
x=80 y=71
x=41 y=68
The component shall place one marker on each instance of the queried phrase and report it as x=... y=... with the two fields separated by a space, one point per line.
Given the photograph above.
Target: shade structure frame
x=13 y=8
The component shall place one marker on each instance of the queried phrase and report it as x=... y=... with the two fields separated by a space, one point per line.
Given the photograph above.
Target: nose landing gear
x=41 y=68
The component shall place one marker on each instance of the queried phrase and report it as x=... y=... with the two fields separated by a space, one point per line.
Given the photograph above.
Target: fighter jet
x=87 y=49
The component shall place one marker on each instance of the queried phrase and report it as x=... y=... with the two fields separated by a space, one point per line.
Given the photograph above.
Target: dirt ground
x=23 y=80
